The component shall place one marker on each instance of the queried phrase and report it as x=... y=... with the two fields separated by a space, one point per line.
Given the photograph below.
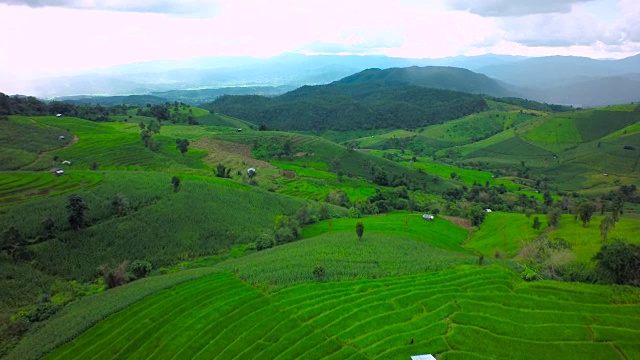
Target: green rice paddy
x=466 y=312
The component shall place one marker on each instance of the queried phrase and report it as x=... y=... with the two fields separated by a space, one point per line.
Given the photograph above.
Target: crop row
x=20 y=186
x=445 y=313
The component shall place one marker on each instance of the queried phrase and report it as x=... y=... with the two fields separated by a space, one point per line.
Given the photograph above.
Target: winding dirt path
x=42 y=153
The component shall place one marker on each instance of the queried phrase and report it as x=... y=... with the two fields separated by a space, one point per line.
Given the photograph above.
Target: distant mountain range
x=559 y=79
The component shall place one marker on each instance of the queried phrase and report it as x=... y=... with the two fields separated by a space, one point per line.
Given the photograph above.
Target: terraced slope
x=21 y=186
x=469 y=312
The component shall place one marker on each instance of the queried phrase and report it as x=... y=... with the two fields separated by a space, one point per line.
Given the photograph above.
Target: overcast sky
x=57 y=36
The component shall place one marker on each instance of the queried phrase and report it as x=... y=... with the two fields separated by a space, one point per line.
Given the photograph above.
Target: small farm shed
x=428 y=217
x=58 y=115
x=66 y=162
x=423 y=357
x=488 y=210
x=251 y=172
x=61 y=137
x=238 y=130
x=57 y=172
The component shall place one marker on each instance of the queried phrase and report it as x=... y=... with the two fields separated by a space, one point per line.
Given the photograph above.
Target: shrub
x=319 y=272
x=264 y=241
x=619 y=262
x=140 y=268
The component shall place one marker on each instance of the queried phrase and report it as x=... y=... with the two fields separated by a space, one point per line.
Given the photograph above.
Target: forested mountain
x=342 y=105
x=440 y=77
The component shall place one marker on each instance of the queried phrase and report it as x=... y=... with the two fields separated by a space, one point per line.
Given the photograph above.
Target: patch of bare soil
x=463 y=223
x=228 y=152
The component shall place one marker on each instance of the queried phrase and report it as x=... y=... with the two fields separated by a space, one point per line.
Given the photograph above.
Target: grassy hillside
x=23 y=142
x=439 y=232
x=327 y=159
x=503 y=232
x=571 y=149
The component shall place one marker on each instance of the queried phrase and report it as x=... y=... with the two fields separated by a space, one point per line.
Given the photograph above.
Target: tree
x=141 y=125
x=585 y=211
x=264 y=241
x=48 y=227
x=605 y=225
x=13 y=243
x=553 y=217
x=536 y=223
x=175 y=181
x=476 y=214
x=286 y=230
x=76 y=208
x=359 y=230
x=548 y=199
x=616 y=208
x=286 y=148
x=153 y=126
x=119 y=204
x=619 y=262
x=182 y=145
x=140 y=268
x=160 y=112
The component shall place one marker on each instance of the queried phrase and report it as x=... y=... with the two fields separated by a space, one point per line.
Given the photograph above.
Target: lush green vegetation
x=439 y=232
x=349 y=106
x=503 y=233
x=303 y=247
x=444 y=313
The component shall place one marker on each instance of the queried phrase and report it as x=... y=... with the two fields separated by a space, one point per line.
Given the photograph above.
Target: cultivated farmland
x=444 y=313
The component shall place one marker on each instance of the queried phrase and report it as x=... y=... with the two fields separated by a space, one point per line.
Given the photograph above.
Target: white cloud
x=508 y=8
x=55 y=39
x=197 y=8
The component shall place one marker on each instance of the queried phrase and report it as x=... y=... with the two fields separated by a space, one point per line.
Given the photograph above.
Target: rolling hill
x=352 y=103
x=438 y=77
x=573 y=149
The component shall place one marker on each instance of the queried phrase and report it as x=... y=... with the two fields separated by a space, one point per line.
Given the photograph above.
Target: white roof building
x=423 y=357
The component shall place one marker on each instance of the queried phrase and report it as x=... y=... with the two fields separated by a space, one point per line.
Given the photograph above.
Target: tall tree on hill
x=536 y=223
x=359 y=230
x=605 y=225
x=154 y=126
x=175 y=181
x=554 y=217
x=548 y=200
x=182 y=145
x=160 y=112
x=616 y=208
x=586 y=211
x=76 y=208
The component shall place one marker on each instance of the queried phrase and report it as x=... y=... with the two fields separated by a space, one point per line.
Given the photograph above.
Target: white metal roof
x=423 y=357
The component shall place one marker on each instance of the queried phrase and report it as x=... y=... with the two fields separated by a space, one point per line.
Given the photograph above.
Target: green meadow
x=504 y=232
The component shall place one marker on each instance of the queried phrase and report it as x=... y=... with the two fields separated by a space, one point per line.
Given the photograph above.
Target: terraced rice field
x=470 y=312
x=21 y=186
